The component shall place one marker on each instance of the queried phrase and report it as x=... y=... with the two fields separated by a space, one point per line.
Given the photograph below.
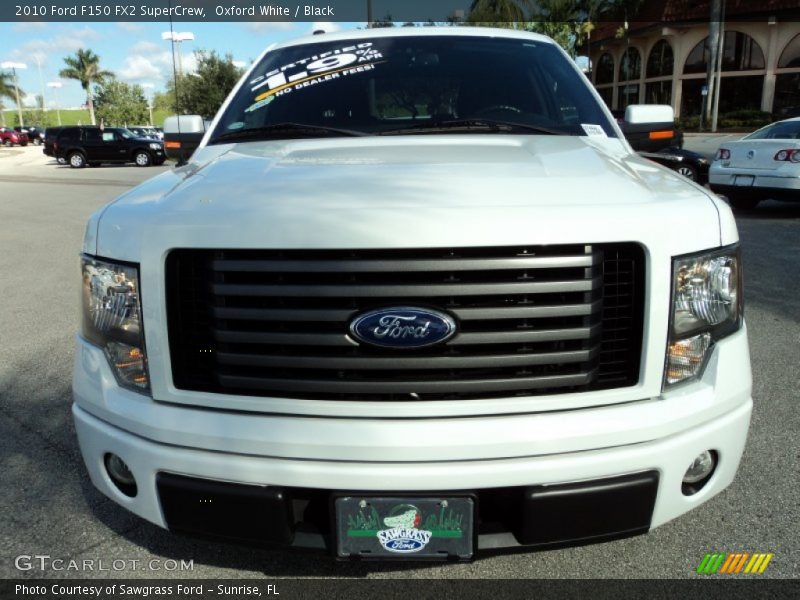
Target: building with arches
x=664 y=59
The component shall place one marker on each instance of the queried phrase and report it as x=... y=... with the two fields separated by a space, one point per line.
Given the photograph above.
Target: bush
x=737 y=119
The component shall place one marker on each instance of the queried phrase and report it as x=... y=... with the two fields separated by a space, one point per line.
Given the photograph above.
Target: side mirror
x=651 y=127
x=180 y=146
x=636 y=114
x=184 y=123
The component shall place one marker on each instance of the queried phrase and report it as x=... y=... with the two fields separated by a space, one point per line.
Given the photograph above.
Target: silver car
x=762 y=165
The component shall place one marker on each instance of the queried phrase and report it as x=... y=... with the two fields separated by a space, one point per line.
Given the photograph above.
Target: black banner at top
x=396 y=11
x=232 y=10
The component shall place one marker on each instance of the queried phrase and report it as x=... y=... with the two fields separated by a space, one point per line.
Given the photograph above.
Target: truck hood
x=409 y=191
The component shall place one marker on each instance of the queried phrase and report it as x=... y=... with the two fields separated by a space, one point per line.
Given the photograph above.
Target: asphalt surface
x=50 y=507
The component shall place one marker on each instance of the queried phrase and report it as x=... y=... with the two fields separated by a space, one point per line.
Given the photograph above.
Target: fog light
x=120 y=474
x=699 y=472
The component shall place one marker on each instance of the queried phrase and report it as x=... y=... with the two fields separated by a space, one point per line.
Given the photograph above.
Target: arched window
x=661 y=61
x=740 y=53
x=631 y=65
x=604 y=73
x=790 y=57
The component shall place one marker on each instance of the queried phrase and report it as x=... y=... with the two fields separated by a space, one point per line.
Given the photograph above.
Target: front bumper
x=307 y=459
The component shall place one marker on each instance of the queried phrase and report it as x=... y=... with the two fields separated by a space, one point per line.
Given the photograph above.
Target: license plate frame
x=420 y=527
x=744 y=180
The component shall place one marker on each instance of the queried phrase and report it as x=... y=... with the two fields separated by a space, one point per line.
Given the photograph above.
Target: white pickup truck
x=414 y=296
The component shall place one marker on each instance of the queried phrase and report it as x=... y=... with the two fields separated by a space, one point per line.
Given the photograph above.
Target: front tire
x=688 y=171
x=76 y=160
x=142 y=158
x=6 y=142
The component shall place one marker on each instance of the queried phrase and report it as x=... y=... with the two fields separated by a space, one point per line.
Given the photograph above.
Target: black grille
x=531 y=320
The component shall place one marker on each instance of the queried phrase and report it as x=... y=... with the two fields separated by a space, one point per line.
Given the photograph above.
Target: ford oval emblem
x=403 y=327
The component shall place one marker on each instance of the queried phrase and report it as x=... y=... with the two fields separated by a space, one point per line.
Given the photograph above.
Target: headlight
x=155 y=146
x=706 y=306
x=112 y=319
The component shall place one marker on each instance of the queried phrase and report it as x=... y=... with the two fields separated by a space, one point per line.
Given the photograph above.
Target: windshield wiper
x=470 y=126
x=283 y=131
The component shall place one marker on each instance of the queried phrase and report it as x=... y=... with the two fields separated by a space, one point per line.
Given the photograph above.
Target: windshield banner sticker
x=591 y=129
x=318 y=68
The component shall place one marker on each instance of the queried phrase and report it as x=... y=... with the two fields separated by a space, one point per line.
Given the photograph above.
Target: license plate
x=405 y=527
x=744 y=180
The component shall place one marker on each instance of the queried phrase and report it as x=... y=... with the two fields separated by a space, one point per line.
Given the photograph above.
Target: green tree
x=7 y=92
x=165 y=101
x=36 y=117
x=557 y=19
x=119 y=103
x=84 y=66
x=203 y=92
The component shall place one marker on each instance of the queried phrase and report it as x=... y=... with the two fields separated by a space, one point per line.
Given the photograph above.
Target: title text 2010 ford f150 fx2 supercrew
x=413 y=296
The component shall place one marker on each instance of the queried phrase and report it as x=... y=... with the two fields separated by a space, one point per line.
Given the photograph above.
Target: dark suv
x=80 y=146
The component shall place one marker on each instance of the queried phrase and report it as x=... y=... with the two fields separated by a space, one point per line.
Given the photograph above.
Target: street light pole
x=41 y=85
x=14 y=66
x=55 y=85
x=149 y=86
x=718 y=69
x=177 y=38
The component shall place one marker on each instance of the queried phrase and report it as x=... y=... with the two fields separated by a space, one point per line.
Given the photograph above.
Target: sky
x=134 y=51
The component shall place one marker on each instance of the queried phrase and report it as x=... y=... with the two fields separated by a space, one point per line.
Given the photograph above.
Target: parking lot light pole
x=149 y=86
x=55 y=85
x=41 y=85
x=14 y=66
x=177 y=37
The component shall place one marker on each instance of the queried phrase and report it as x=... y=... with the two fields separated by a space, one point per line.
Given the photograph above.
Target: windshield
x=410 y=84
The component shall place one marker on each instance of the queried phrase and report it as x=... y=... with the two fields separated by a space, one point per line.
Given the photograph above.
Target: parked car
x=692 y=165
x=9 y=137
x=35 y=134
x=762 y=165
x=80 y=146
x=414 y=299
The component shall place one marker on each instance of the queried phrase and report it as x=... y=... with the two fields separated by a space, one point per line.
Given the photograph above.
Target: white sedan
x=762 y=165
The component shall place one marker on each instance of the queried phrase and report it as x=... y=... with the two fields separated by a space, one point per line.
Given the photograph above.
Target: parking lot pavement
x=50 y=507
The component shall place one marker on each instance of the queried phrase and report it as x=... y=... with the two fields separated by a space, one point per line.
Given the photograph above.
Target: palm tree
x=84 y=67
x=6 y=91
x=499 y=12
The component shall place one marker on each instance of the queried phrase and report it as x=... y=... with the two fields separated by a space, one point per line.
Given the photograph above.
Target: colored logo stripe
x=734 y=562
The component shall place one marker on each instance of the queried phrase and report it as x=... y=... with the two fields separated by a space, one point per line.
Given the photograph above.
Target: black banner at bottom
x=385 y=589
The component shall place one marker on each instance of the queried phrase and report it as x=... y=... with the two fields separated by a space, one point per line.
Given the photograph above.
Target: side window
x=70 y=135
x=92 y=135
x=108 y=136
